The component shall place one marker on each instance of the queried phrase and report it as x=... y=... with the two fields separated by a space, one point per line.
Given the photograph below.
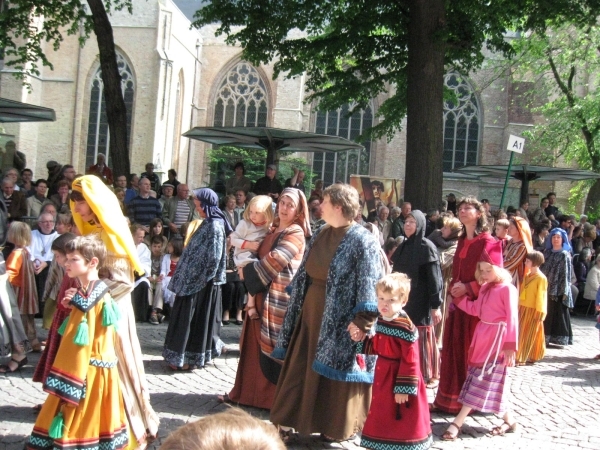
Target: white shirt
x=41 y=245
x=146 y=262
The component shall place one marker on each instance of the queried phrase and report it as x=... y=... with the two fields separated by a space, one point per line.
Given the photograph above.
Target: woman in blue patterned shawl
x=324 y=387
x=193 y=336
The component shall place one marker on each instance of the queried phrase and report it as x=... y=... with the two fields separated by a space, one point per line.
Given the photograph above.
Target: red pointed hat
x=492 y=253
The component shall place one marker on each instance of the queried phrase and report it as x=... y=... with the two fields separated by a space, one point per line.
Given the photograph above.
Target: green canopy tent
x=13 y=111
x=527 y=173
x=274 y=140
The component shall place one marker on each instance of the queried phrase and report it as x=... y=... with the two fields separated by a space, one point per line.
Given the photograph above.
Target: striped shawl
x=273 y=274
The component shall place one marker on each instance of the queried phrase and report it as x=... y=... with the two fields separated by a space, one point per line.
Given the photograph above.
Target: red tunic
x=391 y=425
x=459 y=327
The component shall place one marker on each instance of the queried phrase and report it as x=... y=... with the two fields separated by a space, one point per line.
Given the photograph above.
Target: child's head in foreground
x=229 y=430
x=392 y=294
x=85 y=254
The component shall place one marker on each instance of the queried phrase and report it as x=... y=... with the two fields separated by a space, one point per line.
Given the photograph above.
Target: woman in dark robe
x=192 y=338
x=418 y=258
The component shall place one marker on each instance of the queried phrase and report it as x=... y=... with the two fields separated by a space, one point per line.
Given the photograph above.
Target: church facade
x=175 y=78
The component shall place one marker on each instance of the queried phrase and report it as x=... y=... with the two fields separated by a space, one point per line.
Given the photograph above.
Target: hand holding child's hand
x=458 y=290
x=356 y=334
x=509 y=358
x=401 y=398
x=436 y=316
x=69 y=293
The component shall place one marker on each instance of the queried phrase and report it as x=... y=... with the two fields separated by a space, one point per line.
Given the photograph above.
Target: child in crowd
x=61 y=313
x=247 y=237
x=493 y=347
x=501 y=231
x=84 y=408
x=140 y=297
x=156 y=294
x=156 y=229
x=169 y=263
x=64 y=223
x=21 y=275
x=399 y=413
x=532 y=311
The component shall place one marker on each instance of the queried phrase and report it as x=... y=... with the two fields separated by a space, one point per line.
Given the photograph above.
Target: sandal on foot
x=504 y=428
x=251 y=312
x=20 y=364
x=448 y=436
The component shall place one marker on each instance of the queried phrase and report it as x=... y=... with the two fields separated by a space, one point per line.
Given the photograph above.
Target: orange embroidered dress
x=84 y=408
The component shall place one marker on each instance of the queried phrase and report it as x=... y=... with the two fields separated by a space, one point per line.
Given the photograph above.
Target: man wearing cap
x=451 y=198
x=238 y=181
x=167 y=193
x=269 y=185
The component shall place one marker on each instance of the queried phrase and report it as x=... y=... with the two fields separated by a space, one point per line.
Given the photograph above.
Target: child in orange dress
x=21 y=275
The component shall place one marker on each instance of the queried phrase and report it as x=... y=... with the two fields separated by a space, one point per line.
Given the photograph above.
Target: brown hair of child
x=397 y=284
x=89 y=247
x=536 y=258
x=229 y=430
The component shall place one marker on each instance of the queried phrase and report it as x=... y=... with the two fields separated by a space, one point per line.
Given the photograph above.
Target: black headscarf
x=210 y=205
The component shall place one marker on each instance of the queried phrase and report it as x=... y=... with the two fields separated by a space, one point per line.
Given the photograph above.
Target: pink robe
x=498 y=310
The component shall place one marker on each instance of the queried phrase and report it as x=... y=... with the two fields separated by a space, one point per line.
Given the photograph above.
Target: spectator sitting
x=318 y=190
x=172 y=179
x=156 y=291
x=179 y=210
x=26 y=184
x=140 y=297
x=167 y=193
x=592 y=282
x=269 y=184
x=64 y=223
x=68 y=174
x=239 y=181
x=297 y=180
x=240 y=205
x=551 y=210
x=13 y=175
x=101 y=170
x=398 y=225
x=143 y=208
x=156 y=230
x=16 y=203
x=451 y=206
x=133 y=189
x=63 y=198
x=35 y=202
x=120 y=194
x=154 y=180
x=431 y=223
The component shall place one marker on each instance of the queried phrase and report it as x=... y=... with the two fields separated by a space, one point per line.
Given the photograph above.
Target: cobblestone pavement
x=555 y=401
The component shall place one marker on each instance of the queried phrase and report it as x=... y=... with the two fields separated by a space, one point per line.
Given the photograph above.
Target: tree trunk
x=116 y=111
x=592 y=202
x=425 y=102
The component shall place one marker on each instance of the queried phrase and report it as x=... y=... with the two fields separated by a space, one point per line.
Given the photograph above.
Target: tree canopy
x=354 y=50
x=27 y=25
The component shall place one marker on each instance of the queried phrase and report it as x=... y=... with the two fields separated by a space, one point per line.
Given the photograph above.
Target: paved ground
x=556 y=401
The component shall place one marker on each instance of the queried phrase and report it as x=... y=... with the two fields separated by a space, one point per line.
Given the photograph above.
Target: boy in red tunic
x=399 y=414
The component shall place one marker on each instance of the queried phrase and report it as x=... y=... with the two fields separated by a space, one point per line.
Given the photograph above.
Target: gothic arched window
x=461 y=124
x=98 y=137
x=338 y=166
x=241 y=99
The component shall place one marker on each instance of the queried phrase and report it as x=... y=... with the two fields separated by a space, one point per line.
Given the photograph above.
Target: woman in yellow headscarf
x=96 y=211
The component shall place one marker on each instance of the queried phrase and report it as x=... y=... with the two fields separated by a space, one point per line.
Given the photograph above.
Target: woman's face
x=330 y=212
x=230 y=204
x=545 y=204
x=199 y=207
x=287 y=210
x=513 y=232
x=468 y=214
x=121 y=195
x=556 y=241
x=157 y=229
x=410 y=226
x=84 y=210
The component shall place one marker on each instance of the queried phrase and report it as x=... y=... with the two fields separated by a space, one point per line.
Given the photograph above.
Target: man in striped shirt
x=178 y=210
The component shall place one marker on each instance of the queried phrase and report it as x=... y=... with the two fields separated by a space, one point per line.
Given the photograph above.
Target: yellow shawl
x=105 y=206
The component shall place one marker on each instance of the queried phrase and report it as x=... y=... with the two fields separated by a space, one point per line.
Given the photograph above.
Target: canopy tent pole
x=510 y=161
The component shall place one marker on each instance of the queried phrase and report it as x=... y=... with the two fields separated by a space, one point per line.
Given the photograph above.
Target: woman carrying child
x=493 y=347
x=532 y=311
x=399 y=414
x=279 y=256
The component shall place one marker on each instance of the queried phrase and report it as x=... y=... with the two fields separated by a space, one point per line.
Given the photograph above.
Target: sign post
x=515 y=145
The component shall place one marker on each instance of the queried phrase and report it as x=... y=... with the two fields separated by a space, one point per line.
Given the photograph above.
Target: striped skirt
x=429 y=353
x=488 y=395
x=531 y=335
